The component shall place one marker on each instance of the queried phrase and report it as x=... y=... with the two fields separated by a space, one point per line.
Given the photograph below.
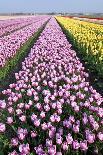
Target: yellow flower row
x=88 y=36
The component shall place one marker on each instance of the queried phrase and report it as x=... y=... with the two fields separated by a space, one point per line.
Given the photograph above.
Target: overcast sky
x=8 y=6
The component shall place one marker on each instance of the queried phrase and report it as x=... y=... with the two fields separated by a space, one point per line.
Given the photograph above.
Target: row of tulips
x=17 y=25
x=51 y=109
x=86 y=17
x=88 y=35
x=10 y=22
x=10 y=44
x=88 y=39
x=94 y=18
x=90 y=20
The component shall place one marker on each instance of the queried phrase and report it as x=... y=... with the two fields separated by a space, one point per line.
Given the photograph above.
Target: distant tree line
x=53 y=13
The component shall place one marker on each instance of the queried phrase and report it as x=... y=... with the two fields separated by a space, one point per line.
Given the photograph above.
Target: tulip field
x=10 y=44
x=50 y=108
x=87 y=38
x=88 y=19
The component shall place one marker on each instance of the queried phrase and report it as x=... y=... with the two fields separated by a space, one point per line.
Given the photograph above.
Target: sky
x=71 y=6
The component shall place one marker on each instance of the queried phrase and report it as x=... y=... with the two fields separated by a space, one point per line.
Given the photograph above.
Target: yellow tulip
x=87 y=35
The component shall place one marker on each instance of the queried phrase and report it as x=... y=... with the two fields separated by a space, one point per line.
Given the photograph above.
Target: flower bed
x=16 y=25
x=87 y=40
x=11 y=43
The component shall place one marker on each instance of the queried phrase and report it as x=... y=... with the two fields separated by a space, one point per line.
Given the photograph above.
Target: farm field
x=98 y=20
x=87 y=39
x=51 y=86
x=92 y=20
